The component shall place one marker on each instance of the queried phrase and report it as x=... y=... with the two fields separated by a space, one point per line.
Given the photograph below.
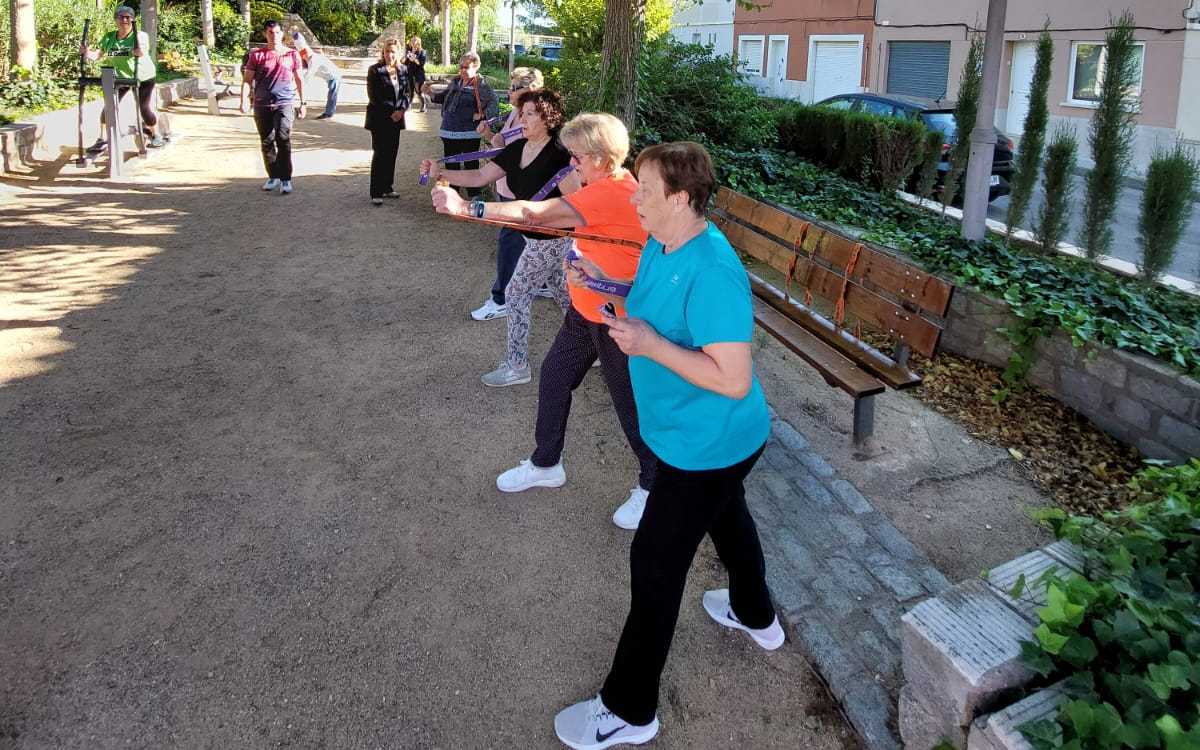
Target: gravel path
x=246 y=483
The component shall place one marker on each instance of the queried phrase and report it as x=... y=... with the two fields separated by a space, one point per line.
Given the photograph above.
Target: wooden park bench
x=859 y=286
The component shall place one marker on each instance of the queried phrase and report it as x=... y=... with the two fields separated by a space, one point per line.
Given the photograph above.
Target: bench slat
x=862 y=355
x=773 y=220
x=905 y=282
x=876 y=312
x=837 y=370
x=760 y=247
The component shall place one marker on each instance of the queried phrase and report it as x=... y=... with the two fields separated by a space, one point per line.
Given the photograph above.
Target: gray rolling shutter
x=918 y=68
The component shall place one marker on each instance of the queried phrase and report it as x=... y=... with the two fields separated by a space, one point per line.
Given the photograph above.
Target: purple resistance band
x=614 y=288
x=553 y=183
x=459 y=158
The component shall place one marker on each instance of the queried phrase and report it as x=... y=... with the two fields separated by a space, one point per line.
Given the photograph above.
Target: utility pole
x=983 y=137
x=512 y=30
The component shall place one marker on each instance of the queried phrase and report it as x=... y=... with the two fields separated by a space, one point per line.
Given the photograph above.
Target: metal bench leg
x=864 y=420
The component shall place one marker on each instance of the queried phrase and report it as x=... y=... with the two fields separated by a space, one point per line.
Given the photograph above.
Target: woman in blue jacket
x=466 y=102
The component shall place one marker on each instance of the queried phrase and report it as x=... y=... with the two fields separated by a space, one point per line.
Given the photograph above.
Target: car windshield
x=942 y=121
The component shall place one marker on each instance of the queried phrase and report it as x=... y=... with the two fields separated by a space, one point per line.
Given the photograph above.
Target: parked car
x=554 y=54
x=937 y=115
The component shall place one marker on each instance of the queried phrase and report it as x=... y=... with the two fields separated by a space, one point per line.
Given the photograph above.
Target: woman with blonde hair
x=598 y=145
x=387 y=100
x=510 y=243
x=414 y=62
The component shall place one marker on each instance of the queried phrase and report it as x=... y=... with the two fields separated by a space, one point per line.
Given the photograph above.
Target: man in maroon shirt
x=273 y=74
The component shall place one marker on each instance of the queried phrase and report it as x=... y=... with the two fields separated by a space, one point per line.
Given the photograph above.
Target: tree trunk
x=473 y=25
x=374 y=10
x=446 y=25
x=150 y=26
x=206 y=23
x=244 y=7
x=624 y=28
x=24 y=34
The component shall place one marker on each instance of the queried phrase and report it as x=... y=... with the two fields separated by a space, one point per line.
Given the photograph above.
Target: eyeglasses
x=578 y=158
x=128 y=19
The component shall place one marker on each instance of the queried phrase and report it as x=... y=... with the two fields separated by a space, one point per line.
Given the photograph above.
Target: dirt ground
x=247 y=477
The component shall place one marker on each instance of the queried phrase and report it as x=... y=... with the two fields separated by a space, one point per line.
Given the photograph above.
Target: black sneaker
x=156 y=142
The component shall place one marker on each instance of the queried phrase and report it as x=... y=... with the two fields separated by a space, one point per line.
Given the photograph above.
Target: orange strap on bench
x=839 y=311
x=797 y=248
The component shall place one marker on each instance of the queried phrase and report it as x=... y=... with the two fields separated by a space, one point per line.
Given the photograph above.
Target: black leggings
x=455 y=146
x=682 y=507
x=145 y=97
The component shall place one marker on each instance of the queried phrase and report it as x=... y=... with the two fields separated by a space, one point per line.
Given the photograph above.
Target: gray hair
x=124 y=10
x=526 y=78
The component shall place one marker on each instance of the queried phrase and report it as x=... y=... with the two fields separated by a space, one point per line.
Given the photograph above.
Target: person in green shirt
x=125 y=53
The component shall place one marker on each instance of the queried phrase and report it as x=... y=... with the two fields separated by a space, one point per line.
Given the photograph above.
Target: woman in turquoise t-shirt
x=703 y=413
x=125 y=53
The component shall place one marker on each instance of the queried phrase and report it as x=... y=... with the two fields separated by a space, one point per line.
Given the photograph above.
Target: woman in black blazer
x=387 y=100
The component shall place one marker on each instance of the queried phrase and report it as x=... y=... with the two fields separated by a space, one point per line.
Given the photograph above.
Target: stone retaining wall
x=1139 y=401
x=44 y=136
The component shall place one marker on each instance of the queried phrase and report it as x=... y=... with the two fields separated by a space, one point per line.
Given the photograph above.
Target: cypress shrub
x=858 y=150
x=1029 y=156
x=833 y=135
x=899 y=147
x=928 y=173
x=965 y=113
x=1166 y=203
x=1111 y=136
x=1057 y=189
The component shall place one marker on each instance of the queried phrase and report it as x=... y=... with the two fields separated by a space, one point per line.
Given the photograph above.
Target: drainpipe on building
x=1188 y=120
x=983 y=137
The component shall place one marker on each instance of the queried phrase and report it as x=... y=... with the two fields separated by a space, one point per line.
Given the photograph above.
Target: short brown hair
x=548 y=104
x=685 y=166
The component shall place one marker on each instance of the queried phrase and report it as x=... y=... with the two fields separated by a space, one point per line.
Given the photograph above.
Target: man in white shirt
x=317 y=65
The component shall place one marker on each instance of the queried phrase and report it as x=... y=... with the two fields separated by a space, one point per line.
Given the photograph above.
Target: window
x=1088 y=62
x=695 y=38
x=712 y=40
x=750 y=54
x=874 y=107
x=838 y=103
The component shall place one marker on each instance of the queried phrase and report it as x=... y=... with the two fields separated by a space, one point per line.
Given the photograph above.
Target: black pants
x=385 y=144
x=145 y=97
x=275 y=130
x=683 y=506
x=509 y=246
x=575 y=348
x=455 y=146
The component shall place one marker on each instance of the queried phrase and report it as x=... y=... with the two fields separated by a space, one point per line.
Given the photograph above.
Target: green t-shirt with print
x=118 y=55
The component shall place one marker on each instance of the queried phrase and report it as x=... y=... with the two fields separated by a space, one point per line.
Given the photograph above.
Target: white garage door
x=837 y=69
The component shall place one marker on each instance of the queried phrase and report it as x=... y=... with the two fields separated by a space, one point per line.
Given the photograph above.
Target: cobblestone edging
x=842 y=576
x=1139 y=401
x=22 y=143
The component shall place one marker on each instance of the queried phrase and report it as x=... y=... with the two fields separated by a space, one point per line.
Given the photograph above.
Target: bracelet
x=477 y=208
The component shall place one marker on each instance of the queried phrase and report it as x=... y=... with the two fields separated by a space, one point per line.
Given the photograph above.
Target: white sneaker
x=590 y=726
x=505 y=375
x=285 y=187
x=271 y=184
x=629 y=515
x=525 y=475
x=490 y=311
x=716 y=604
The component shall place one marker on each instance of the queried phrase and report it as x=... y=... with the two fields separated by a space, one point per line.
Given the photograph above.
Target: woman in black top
x=387 y=99
x=532 y=165
x=414 y=61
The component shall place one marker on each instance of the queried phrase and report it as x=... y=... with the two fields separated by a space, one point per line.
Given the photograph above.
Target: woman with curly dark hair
x=537 y=167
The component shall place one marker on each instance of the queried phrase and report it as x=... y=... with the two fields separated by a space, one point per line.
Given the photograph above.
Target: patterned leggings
x=540 y=265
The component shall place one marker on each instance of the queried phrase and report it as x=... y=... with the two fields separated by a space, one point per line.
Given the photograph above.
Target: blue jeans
x=331 y=97
x=509 y=246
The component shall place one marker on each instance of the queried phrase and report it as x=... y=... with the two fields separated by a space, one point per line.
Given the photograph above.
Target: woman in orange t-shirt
x=598 y=144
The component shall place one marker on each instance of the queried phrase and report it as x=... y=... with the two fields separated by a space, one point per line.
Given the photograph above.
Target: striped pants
x=540 y=265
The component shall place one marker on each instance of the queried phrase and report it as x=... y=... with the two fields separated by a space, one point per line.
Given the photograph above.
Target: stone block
x=1182 y=437
x=837 y=603
x=816 y=464
x=789 y=437
x=1079 y=389
x=835 y=661
x=1100 y=363
x=853 y=532
x=851 y=497
x=1059 y=348
x=1044 y=374
x=963 y=650
x=1067 y=554
x=923 y=727
x=1002 y=730
x=779 y=457
x=812 y=489
x=881 y=655
x=1153 y=449
x=852 y=577
x=868 y=706
x=1133 y=412
x=779 y=487
x=1031 y=565
x=881 y=530
x=899 y=583
x=1167 y=394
